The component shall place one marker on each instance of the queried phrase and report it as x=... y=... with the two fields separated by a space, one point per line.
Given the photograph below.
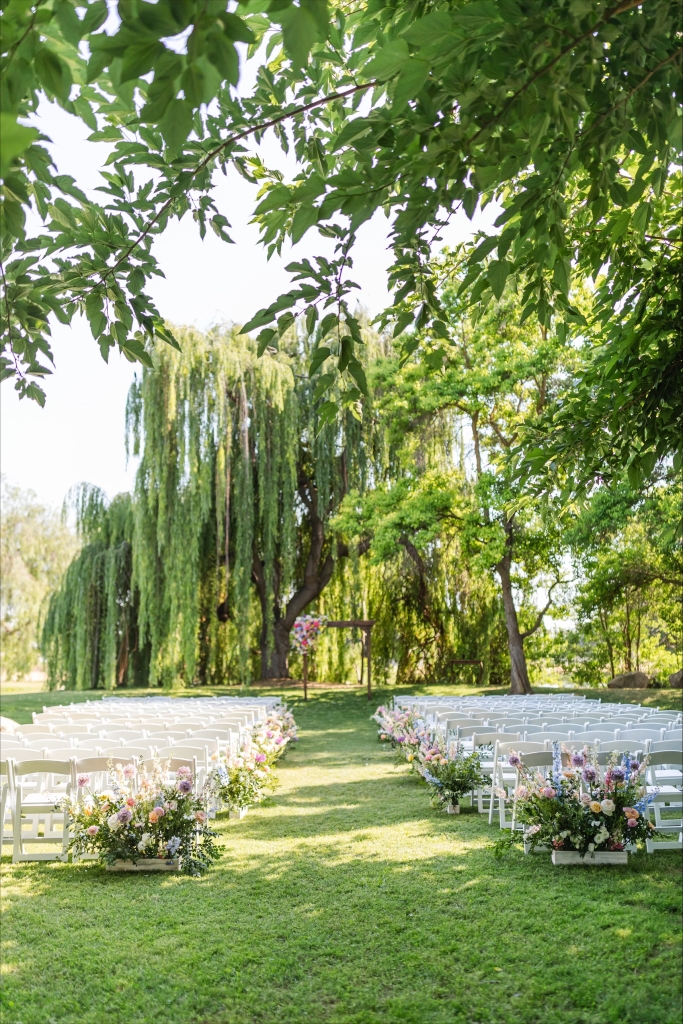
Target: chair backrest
x=538 y=759
x=554 y=736
x=107 y=745
x=83 y=765
x=164 y=752
x=532 y=730
x=641 y=734
x=129 y=752
x=49 y=743
x=561 y=729
x=44 y=766
x=506 y=747
x=167 y=734
x=608 y=746
x=673 y=734
x=591 y=735
x=67 y=731
x=484 y=739
x=122 y=734
x=658 y=745
x=27 y=731
x=666 y=757
x=211 y=734
x=173 y=763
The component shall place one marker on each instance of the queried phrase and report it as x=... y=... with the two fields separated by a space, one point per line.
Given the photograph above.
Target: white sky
x=79 y=434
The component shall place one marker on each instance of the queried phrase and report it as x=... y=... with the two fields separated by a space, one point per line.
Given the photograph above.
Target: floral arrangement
x=142 y=815
x=452 y=775
x=443 y=765
x=579 y=809
x=239 y=779
x=306 y=631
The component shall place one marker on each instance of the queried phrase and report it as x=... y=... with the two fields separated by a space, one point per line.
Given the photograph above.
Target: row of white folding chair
x=665 y=778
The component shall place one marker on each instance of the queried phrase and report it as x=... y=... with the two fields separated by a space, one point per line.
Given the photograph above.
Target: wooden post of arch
x=366 y=650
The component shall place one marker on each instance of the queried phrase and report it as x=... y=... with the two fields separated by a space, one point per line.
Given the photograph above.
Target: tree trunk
x=274 y=660
x=519 y=677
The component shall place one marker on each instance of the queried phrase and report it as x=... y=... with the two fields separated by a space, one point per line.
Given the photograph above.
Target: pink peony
x=92 y=830
x=549 y=792
x=159 y=811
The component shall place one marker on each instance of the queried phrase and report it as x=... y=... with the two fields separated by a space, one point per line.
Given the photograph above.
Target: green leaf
x=641 y=218
x=358 y=374
x=430 y=29
x=14 y=139
x=327 y=413
x=561 y=275
x=69 y=23
x=325 y=382
x=95 y=15
x=319 y=357
x=304 y=218
x=193 y=82
x=53 y=73
x=497 y=275
x=480 y=14
x=140 y=59
x=328 y=322
x=311 y=317
x=176 y=125
x=410 y=81
x=302 y=28
x=223 y=56
x=389 y=61
x=135 y=352
x=264 y=339
x=402 y=322
x=236 y=29
x=85 y=112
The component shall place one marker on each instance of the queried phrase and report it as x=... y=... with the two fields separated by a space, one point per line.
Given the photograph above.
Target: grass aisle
x=346 y=900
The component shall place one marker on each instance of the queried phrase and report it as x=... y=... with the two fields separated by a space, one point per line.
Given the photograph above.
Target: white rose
x=113 y=822
x=591 y=847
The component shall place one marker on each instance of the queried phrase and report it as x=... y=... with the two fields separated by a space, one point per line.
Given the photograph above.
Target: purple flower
x=184 y=786
x=589 y=774
x=259 y=757
x=618 y=774
x=400 y=739
x=124 y=816
x=578 y=759
x=515 y=760
x=83 y=780
x=635 y=766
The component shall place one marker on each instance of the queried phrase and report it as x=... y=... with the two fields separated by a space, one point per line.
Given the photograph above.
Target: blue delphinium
x=557 y=766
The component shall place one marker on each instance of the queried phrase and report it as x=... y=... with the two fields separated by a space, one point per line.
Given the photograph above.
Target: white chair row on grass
x=32 y=790
x=530 y=726
x=202 y=747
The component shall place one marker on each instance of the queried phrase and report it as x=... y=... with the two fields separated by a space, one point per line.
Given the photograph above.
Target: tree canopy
x=566 y=114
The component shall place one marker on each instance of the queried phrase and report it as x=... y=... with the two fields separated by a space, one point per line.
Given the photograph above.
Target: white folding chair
x=503 y=773
x=640 y=734
x=6 y=803
x=37 y=808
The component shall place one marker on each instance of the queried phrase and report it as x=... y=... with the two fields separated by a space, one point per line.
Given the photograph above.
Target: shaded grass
x=348 y=900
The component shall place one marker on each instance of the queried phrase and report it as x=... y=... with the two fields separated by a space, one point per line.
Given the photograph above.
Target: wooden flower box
x=145 y=864
x=570 y=857
x=238 y=812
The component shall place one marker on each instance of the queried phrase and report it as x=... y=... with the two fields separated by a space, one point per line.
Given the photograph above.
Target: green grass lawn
x=346 y=899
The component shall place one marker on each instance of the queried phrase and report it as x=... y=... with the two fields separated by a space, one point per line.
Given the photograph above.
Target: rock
x=676 y=680
x=630 y=681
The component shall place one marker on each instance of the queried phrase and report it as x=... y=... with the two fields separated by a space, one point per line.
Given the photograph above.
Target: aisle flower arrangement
x=581 y=809
x=306 y=632
x=444 y=766
x=451 y=775
x=143 y=815
x=239 y=779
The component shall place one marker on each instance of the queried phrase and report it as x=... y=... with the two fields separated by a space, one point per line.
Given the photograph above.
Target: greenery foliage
x=567 y=115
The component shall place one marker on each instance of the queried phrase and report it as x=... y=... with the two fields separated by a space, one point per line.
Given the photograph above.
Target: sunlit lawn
x=345 y=899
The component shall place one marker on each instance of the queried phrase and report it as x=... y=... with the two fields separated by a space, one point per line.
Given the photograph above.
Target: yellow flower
x=595 y=806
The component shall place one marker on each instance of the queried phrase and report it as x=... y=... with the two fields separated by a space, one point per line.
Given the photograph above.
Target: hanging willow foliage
x=236 y=526
x=89 y=635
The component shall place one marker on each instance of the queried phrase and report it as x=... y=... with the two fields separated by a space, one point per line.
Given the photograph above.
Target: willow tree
x=237 y=482
x=89 y=634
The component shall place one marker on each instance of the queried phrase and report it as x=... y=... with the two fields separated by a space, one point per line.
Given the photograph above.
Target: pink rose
x=92 y=830
x=632 y=823
x=200 y=816
x=131 y=801
x=159 y=811
x=549 y=792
